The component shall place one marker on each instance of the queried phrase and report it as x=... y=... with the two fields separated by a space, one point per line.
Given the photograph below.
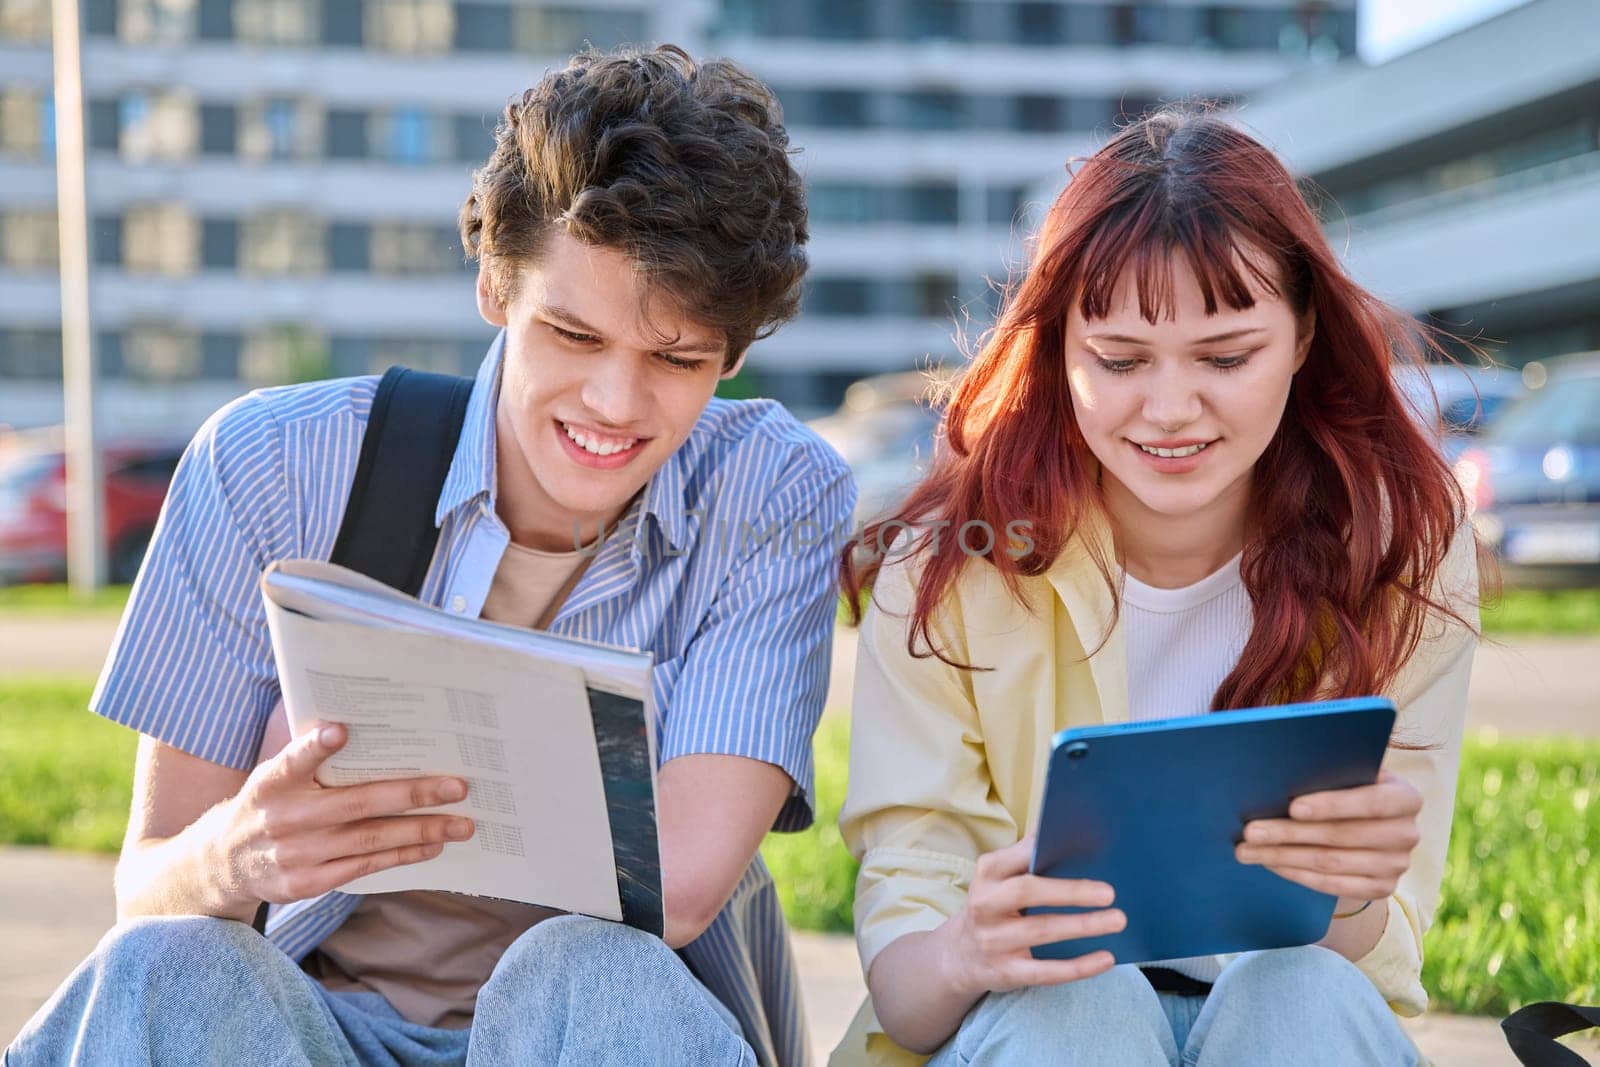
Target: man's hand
x=287 y=838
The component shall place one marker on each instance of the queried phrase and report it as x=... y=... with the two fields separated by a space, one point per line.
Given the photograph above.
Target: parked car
x=884 y=429
x=33 y=504
x=1467 y=399
x=1533 y=479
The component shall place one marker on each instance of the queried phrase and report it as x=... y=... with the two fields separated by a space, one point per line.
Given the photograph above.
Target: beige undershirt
x=429 y=953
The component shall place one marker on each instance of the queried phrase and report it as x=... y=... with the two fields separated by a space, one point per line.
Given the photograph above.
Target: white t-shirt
x=1181 y=644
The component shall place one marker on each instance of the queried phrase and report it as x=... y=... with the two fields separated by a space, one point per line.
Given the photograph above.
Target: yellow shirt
x=946 y=765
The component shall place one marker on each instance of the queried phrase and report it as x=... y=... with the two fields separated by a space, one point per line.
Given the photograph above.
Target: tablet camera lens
x=1077 y=750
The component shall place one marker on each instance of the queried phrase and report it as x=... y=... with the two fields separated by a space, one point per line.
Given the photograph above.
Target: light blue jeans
x=200 y=991
x=1303 y=1006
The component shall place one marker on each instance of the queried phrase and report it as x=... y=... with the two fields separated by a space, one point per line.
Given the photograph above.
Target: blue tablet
x=1156 y=808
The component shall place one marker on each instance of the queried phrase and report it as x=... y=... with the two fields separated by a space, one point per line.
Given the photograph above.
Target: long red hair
x=1353 y=508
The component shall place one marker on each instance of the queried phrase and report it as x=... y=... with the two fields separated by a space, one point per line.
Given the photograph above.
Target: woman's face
x=1179 y=412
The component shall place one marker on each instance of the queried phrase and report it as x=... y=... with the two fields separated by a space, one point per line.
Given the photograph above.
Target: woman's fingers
x=1398 y=834
x=1353 y=887
x=1036 y=891
x=1390 y=796
x=1027 y=971
x=1354 y=861
x=1023 y=933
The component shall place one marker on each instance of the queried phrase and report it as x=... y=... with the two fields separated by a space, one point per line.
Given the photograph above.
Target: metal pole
x=86 y=553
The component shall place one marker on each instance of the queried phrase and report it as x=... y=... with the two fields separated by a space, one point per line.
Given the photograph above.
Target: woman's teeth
x=596 y=446
x=1175 y=453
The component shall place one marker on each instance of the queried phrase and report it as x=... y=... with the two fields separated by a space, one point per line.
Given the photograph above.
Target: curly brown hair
x=682 y=166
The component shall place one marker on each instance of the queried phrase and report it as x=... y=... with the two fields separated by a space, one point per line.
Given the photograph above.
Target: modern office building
x=1465 y=176
x=273 y=183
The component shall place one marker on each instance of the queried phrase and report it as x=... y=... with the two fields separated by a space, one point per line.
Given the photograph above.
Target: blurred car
x=33 y=504
x=1533 y=478
x=1467 y=399
x=884 y=429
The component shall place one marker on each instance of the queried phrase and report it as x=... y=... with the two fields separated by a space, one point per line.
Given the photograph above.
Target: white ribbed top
x=1181 y=644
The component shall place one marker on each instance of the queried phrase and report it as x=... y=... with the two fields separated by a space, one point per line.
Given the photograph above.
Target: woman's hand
x=1352 y=843
x=989 y=940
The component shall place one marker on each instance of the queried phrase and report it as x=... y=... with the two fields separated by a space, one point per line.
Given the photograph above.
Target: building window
x=155 y=21
x=483 y=27
x=1038 y=114
x=282 y=242
x=1037 y=23
x=30 y=354
x=105 y=241
x=474 y=137
x=402 y=248
x=931 y=203
x=342 y=24
x=1139 y=24
x=346 y=134
x=160 y=239
x=27 y=123
x=558 y=30
x=214 y=20
x=410 y=27
x=280 y=129
x=291 y=23
x=844 y=202
x=838 y=296
x=25 y=21
x=412 y=135
x=282 y=354
x=840 y=109
x=1003 y=204
x=219 y=129
x=934 y=109
x=841 y=20
x=936 y=295
x=219 y=244
x=1089 y=24
x=348 y=244
x=155 y=353
x=934 y=20
x=29 y=240
x=158 y=126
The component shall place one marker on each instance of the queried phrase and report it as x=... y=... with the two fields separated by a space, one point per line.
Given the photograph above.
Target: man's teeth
x=596 y=446
x=1175 y=453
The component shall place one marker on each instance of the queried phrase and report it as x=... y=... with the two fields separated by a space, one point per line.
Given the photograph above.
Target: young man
x=637 y=226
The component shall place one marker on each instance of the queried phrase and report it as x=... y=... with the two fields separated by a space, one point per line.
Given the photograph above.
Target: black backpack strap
x=388 y=531
x=1532 y=1031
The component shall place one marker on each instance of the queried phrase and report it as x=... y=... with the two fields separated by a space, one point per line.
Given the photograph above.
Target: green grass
x=816 y=877
x=60 y=600
x=1534 y=611
x=66 y=776
x=1519 y=919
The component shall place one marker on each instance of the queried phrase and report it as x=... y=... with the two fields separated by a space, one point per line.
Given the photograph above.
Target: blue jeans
x=1304 y=1006
x=200 y=991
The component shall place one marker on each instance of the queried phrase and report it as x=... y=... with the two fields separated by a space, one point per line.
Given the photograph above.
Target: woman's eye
x=1230 y=362
x=1117 y=366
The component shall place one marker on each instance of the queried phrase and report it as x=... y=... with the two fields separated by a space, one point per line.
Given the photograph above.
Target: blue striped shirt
x=723 y=569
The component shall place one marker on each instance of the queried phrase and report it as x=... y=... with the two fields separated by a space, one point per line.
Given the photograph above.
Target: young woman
x=1177 y=478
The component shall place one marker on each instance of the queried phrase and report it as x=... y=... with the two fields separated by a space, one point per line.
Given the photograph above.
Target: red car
x=33 y=504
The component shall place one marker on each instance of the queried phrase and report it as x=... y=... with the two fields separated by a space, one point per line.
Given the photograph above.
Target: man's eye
x=677 y=362
x=575 y=338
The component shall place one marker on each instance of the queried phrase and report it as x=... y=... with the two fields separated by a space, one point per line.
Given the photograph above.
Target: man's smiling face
x=602 y=380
